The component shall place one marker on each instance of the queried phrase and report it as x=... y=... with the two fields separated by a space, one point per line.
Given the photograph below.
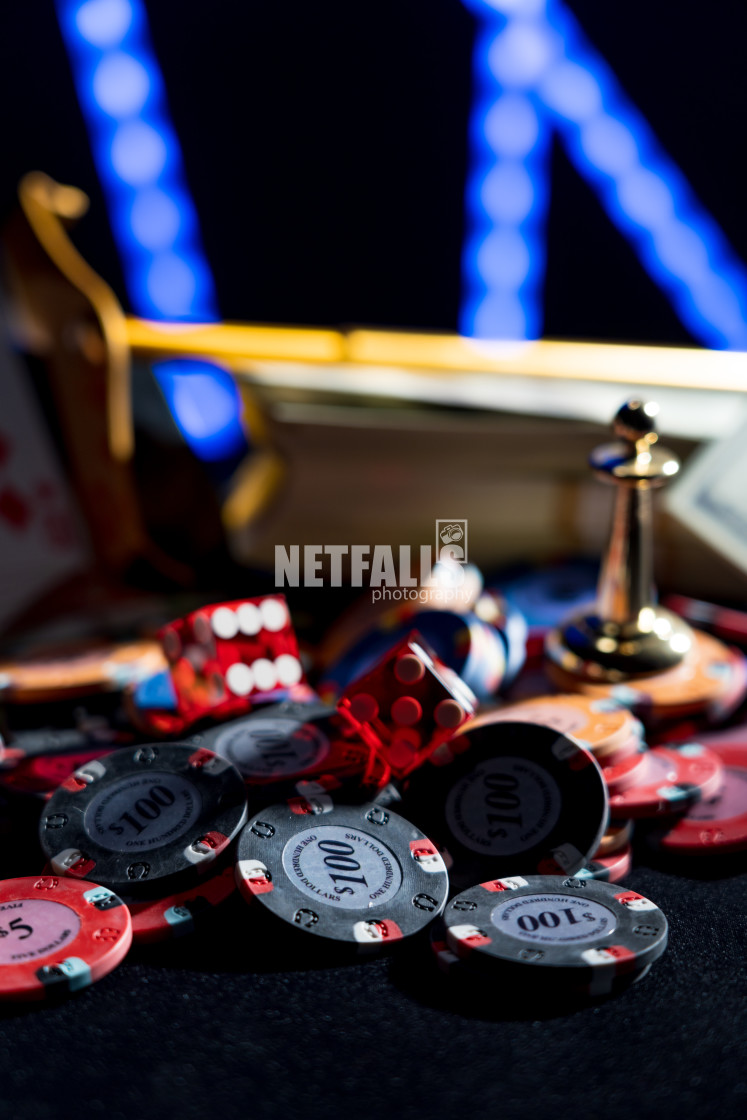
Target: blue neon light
x=153 y=219
x=204 y=399
x=533 y=61
x=138 y=158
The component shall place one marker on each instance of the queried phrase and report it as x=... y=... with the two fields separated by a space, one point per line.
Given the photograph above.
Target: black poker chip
x=280 y=742
x=535 y=991
x=359 y=874
x=507 y=798
x=582 y=932
x=49 y=741
x=275 y=747
x=150 y=816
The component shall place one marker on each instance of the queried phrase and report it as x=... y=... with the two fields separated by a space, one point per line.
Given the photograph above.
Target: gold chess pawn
x=628 y=634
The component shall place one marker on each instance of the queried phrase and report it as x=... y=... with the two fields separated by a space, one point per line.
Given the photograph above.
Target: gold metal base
x=595 y=650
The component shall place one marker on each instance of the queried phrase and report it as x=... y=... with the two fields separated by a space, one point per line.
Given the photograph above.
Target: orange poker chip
x=616 y=837
x=597 y=723
x=704 y=676
x=64 y=672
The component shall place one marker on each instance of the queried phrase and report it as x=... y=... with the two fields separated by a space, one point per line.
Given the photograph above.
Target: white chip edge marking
x=432 y=863
x=368 y=933
x=64 y=860
x=248 y=869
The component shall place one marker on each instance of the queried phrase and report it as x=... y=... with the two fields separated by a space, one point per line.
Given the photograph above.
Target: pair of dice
x=225 y=659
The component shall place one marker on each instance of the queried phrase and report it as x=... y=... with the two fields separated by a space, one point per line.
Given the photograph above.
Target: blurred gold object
x=65 y=314
x=48 y=207
x=627 y=635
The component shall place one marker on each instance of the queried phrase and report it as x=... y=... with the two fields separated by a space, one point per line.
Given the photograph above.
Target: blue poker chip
x=545 y=596
x=469 y=646
x=499 y=612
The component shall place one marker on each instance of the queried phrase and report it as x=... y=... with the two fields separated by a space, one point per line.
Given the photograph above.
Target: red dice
x=408 y=704
x=225 y=657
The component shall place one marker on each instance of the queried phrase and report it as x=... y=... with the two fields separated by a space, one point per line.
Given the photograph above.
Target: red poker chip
x=611 y=868
x=42 y=775
x=58 y=935
x=717 y=824
x=672 y=778
x=625 y=774
x=176 y=915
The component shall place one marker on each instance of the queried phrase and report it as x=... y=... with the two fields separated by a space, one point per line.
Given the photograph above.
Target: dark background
x=325 y=148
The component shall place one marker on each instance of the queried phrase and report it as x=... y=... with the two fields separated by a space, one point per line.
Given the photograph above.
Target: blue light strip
x=153 y=219
x=503 y=258
x=536 y=53
x=138 y=159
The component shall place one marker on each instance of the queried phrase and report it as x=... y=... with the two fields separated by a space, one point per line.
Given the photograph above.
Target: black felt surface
x=236 y=1021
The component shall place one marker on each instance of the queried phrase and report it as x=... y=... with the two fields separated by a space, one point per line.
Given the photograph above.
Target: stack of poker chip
x=662 y=785
x=716 y=824
x=706 y=688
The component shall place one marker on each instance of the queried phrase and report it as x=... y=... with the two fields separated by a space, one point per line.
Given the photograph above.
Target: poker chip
x=65 y=672
x=40 y=775
x=499 y=612
x=357 y=874
x=58 y=936
x=542 y=988
x=277 y=745
x=176 y=915
x=626 y=774
x=670 y=779
x=707 y=683
x=56 y=741
x=613 y=756
x=510 y=795
x=582 y=931
x=611 y=868
x=715 y=824
x=600 y=725
x=156 y=814
x=727 y=624
x=617 y=836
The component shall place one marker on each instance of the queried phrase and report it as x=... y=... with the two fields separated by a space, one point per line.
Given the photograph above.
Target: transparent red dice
x=408 y=704
x=225 y=657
